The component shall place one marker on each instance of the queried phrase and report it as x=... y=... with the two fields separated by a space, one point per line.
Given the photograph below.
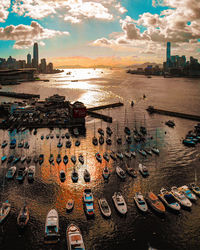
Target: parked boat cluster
x=192 y=137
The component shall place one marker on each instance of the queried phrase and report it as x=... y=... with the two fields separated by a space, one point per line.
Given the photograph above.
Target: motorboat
x=127 y=130
x=181 y=198
x=119 y=140
x=143 y=170
x=31 y=173
x=108 y=141
x=16 y=159
x=86 y=175
x=104 y=207
x=148 y=151
x=13 y=144
x=189 y=143
x=195 y=189
x=121 y=173
x=23 y=158
x=4 y=210
x=143 y=130
x=10 y=158
x=169 y=200
x=142 y=152
x=100 y=131
x=58 y=159
x=21 y=173
x=62 y=176
x=106 y=156
x=74 y=175
x=119 y=203
x=128 y=139
x=11 y=173
x=26 y=145
x=98 y=157
x=35 y=159
x=101 y=140
x=73 y=159
x=77 y=143
x=133 y=154
x=23 y=217
x=65 y=159
x=41 y=159
x=81 y=159
x=87 y=195
x=42 y=137
x=52 y=227
x=113 y=156
x=70 y=205
x=47 y=137
x=51 y=159
x=170 y=123
x=106 y=173
x=140 y=202
x=28 y=159
x=4 y=144
x=59 y=145
x=21 y=144
x=120 y=155
x=76 y=132
x=3 y=158
x=109 y=131
x=127 y=154
x=155 y=150
x=94 y=141
x=130 y=170
x=74 y=238
x=68 y=144
x=88 y=202
x=67 y=135
x=155 y=203
x=188 y=193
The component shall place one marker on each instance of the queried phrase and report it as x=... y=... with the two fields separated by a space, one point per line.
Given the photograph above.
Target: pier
x=112 y=105
x=105 y=118
x=18 y=95
x=152 y=110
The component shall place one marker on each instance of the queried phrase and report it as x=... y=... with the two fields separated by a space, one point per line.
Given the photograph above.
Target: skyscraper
x=29 y=59
x=168 y=54
x=35 y=55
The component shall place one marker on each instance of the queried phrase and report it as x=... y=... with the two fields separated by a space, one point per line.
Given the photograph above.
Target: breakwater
x=19 y=95
x=112 y=105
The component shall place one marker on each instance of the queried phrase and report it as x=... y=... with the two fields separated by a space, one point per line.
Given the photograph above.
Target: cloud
x=4 y=5
x=25 y=35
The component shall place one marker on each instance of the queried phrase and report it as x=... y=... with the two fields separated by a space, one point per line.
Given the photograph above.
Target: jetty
x=19 y=95
x=105 y=118
x=112 y=105
x=153 y=110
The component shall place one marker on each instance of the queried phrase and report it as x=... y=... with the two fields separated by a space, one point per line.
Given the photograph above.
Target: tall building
x=168 y=55
x=43 y=65
x=29 y=59
x=35 y=55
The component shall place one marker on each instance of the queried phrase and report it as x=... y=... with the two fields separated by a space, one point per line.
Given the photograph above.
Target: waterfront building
x=43 y=66
x=50 y=68
x=168 y=55
x=29 y=60
x=35 y=55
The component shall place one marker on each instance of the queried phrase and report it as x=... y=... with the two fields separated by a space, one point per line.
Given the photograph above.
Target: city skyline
x=112 y=33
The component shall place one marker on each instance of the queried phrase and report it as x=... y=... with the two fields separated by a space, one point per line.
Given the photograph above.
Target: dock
x=105 y=118
x=112 y=105
x=152 y=110
x=18 y=95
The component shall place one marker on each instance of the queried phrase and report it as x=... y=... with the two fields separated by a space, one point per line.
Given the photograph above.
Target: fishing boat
x=155 y=150
x=142 y=152
x=81 y=159
x=4 y=144
x=31 y=173
x=62 y=176
x=98 y=157
x=26 y=145
x=68 y=144
x=128 y=139
x=41 y=159
x=74 y=238
x=119 y=203
x=169 y=200
x=180 y=197
x=13 y=144
x=188 y=193
x=119 y=155
x=11 y=172
x=130 y=170
x=4 y=210
x=106 y=173
x=100 y=131
x=88 y=202
x=73 y=159
x=127 y=130
x=21 y=173
x=86 y=175
x=65 y=159
x=59 y=145
x=94 y=141
x=23 y=217
x=52 y=227
x=77 y=143
x=121 y=173
x=195 y=188
x=101 y=140
x=51 y=159
x=28 y=159
x=127 y=154
x=106 y=156
x=104 y=207
x=67 y=135
x=108 y=141
x=23 y=158
x=76 y=132
x=3 y=158
x=143 y=170
x=10 y=158
x=113 y=156
x=35 y=159
x=70 y=205
x=140 y=202
x=21 y=144
x=58 y=159
x=155 y=203
x=74 y=175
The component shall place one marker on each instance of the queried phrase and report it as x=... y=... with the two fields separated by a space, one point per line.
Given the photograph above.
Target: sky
x=100 y=32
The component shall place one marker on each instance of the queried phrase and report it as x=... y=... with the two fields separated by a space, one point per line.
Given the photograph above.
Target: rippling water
x=176 y=165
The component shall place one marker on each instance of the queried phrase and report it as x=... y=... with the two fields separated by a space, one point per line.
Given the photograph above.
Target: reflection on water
x=176 y=165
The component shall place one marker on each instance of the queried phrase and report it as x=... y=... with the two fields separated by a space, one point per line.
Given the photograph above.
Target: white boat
x=70 y=205
x=143 y=170
x=104 y=207
x=62 y=176
x=74 y=238
x=88 y=202
x=31 y=173
x=106 y=173
x=169 y=200
x=195 y=188
x=120 y=172
x=120 y=155
x=119 y=203
x=130 y=171
x=106 y=156
x=4 y=210
x=155 y=150
x=52 y=227
x=181 y=198
x=23 y=158
x=86 y=175
x=140 y=202
x=188 y=193
x=127 y=155
x=11 y=172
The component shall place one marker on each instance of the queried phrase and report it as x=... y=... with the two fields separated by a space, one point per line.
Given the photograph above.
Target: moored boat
x=59 y=145
x=62 y=176
x=10 y=158
x=130 y=170
x=74 y=175
x=81 y=159
x=74 y=238
x=88 y=201
x=41 y=159
x=52 y=227
x=155 y=150
x=4 y=210
x=143 y=170
x=100 y=131
x=120 y=172
x=51 y=158
x=58 y=159
x=108 y=141
x=31 y=173
x=65 y=159
x=77 y=143
x=86 y=175
x=140 y=202
x=120 y=155
x=70 y=205
x=194 y=188
x=68 y=144
x=23 y=158
x=169 y=200
x=13 y=144
x=3 y=158
x=4 y=144
x=109 y=131
x=191 y=196
x=142 y=152
x=23 y=217
x=155 y=203
x=104 y=207
x=73 y=159
x=106 y=156
x=113 y=156
x=119 y=203
x=21 y=173
x=181 y=198
x=106 y=173
x=101 y=140
x=98 y=157
x=94 y=141
x=11 y=172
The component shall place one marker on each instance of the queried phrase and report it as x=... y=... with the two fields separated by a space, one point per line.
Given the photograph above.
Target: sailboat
x=118 y=139
x=127 y=130
x=73 y=157
x=94 y=139
x=154 y=149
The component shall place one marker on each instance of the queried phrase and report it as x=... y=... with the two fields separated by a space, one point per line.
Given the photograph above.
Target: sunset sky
x=112 y=32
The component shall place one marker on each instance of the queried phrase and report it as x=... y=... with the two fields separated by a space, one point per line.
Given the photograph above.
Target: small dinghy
x=155 y=150
x=62 y=176
x=195 y=189
x=23 y=217
x=77 y=143
x=130 y=170
x=35 y=159
x=155 y=203
x=3 y=158
x=68 y=144
x=4 y=144
x=140 y=202
x=11 y=173
x=65 y=159
x=94 y=141
x=86 y=175
x=100 y=131
x=51 y=136
x=119 y=140
x=88 y=202
x=106 y=156
x=73 y=159
x=52 y=227
x=47 y=137
x=51 y=159
x=74 y=175
x=16 y=159
x=108 y=141
x=57 y=136
x=21 y=173
x=169 y=200
x=10 y=158
x=181 y=198
x=28 y=159
x=98 y=157
x=31 y=174
x=119 y=155
x=109 y=131
x=4 y=210
x=121 y=173
x=26 y=145
x=59 y=145
x=143 y=170
x=41 y=159
x=23 y=158
x=58 y=159
x=119 y=203
x=13 y=144
x=142 y=152
x=106 y=173
x=42 y=137
x=21 y=144
x=74 y=238
x=70 y=205
x=188 y=193
x=67 y=135
x=81 y=159
x=170 y=123
x=104 y=207
x=101 y=140
x=113 y=156
x=63 y=136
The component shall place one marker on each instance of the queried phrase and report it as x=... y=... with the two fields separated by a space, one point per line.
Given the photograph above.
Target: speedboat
x=28 y=159
x=95 y=141
x=35 y=159
x=3 y=158
x=104 y=207
x=143 y=170
x=195 y=188
x=4 y=144
x=119 y=155
x=127 y=130
x=68 y=144
x=112 y=155
x=59 y=145
x=142 y=152
x=130 y=171
x=81 y=159
x=140 y=202
x=11 y=172
x=127 y=155
x=106 y=156
x=73 y=159
x=120 y=172
x=23 y=158
x=155 y=150
x=88 y=201
x=31 y=173
x=100 y=131
x=181 y=198
x=109 y=131
x=4 y=210
x=41 y=159
x=70 y=205
x=23 y=217
x=74 y=175
x=10 y=158
x=65 y=159
x=119 y=140
x=155 y=203
x=62 y=176
x=188 y=193
x=86 y=175
x=77 y=143
x=74 y=238
x=58 y=159
x=98 y=157
x=13 y=144
x=106 y=173
x=119 y=203
x=169 y=200
x=101 y=140
x=52 y=227
x=128 y=139
x=21 y=173
x=108 y=141
x=51 y=158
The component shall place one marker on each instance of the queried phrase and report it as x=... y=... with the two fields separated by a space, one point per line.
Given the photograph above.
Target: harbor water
x=176 y=165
